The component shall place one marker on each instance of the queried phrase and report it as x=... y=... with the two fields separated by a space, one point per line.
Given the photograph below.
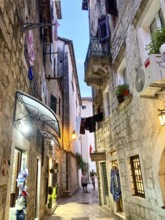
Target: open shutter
x=103 y=28
x=53 y=103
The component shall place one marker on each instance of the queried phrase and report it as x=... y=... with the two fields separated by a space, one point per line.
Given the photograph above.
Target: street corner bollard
x=20 y=215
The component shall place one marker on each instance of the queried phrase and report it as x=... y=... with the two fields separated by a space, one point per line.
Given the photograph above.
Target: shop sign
x=98 y=156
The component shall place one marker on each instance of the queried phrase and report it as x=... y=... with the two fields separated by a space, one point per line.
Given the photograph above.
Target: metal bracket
x=55 y=78
x=30 y=26
x=51 y=53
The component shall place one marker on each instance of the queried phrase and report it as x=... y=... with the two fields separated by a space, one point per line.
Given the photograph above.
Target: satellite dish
x=139 y=79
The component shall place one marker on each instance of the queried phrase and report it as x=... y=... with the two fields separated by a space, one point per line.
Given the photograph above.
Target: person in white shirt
x=84 y=182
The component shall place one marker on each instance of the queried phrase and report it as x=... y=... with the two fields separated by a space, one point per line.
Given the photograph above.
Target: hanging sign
x=98 y=156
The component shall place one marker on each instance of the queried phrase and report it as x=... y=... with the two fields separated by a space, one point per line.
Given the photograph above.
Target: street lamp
x=161 y=116
x=74 y=135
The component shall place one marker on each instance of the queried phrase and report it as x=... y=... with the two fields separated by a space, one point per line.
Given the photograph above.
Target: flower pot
x=126 y=92
x=120 y=98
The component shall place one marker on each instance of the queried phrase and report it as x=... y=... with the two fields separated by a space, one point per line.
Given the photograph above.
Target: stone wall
x=14 y=76
x=134 y=128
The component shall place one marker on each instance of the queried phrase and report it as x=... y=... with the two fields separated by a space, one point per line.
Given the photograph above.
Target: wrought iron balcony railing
x=97 y=49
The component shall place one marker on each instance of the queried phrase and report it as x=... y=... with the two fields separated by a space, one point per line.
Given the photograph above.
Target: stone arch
x=158 y=165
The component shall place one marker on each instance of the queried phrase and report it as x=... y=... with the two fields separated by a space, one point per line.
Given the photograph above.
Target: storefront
x=33 y=160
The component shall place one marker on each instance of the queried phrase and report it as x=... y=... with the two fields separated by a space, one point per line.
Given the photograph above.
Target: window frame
x=103 y=28
x=53 y=106
x=136 y=178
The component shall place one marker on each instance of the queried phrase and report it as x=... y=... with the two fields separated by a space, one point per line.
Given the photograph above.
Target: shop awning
x=49 y=137
x=28 y=108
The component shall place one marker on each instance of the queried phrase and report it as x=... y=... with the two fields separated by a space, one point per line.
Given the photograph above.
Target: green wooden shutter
x=105 y=178
x=53 y=103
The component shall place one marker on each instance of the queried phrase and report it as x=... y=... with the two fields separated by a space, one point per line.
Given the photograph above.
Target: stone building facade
x=32 y=96
x=131 y=135
x=71 y=111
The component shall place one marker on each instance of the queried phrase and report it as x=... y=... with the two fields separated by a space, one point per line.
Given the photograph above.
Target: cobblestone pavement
x=81 y=206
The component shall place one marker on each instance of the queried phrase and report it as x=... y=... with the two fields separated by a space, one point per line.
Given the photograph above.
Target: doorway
x=118 y=201
x=19 y=158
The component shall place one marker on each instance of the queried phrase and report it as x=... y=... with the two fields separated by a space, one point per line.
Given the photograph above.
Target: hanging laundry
x=99 y=117
x=82 y=126
x=90 y=124
x=115 y=187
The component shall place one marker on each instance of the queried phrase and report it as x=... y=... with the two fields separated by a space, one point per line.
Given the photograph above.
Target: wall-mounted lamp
x=162 y=116
x=24 y=127
x=74 y=135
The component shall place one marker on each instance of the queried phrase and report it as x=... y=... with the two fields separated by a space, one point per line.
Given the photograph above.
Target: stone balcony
x=97 y=62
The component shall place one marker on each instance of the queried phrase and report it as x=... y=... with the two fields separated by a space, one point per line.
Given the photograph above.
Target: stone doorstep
x=117 y=215
x=50 y=211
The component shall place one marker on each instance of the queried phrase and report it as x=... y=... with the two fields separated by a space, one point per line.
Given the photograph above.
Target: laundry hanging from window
x=115 y=187
x=90 y=123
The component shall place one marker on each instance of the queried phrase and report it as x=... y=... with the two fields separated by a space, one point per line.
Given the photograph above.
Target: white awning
x=30 y=108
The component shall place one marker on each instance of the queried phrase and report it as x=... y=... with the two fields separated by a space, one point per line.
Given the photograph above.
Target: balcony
x=97 y=62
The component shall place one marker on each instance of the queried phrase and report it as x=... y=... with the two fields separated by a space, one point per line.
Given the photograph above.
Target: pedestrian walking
x=84 y=182
x=93 y=176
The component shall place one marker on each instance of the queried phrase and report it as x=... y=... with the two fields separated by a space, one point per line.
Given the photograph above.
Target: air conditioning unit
x=150 y=78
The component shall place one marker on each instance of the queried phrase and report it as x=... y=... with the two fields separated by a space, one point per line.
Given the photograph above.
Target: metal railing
x=96 y=48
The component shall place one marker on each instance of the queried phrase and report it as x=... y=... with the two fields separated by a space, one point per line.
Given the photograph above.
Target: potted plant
x=121 y=91
x=156 y=45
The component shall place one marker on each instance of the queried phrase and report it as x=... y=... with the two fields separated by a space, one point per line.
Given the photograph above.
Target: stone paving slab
x=81 y=206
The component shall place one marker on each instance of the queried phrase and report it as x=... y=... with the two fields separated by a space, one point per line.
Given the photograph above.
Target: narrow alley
x=81 y=206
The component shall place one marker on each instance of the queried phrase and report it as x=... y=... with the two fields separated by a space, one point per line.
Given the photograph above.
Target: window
x=158 y=22
x=125 y=75
x=136 y=177
x=84 y=107
x=111 y=7
x=103 y=28
x=53 y=103
x=85 y=5
x=122 y=73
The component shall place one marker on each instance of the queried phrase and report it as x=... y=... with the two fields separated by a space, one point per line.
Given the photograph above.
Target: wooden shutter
x=53 y=103
x=103 y=28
